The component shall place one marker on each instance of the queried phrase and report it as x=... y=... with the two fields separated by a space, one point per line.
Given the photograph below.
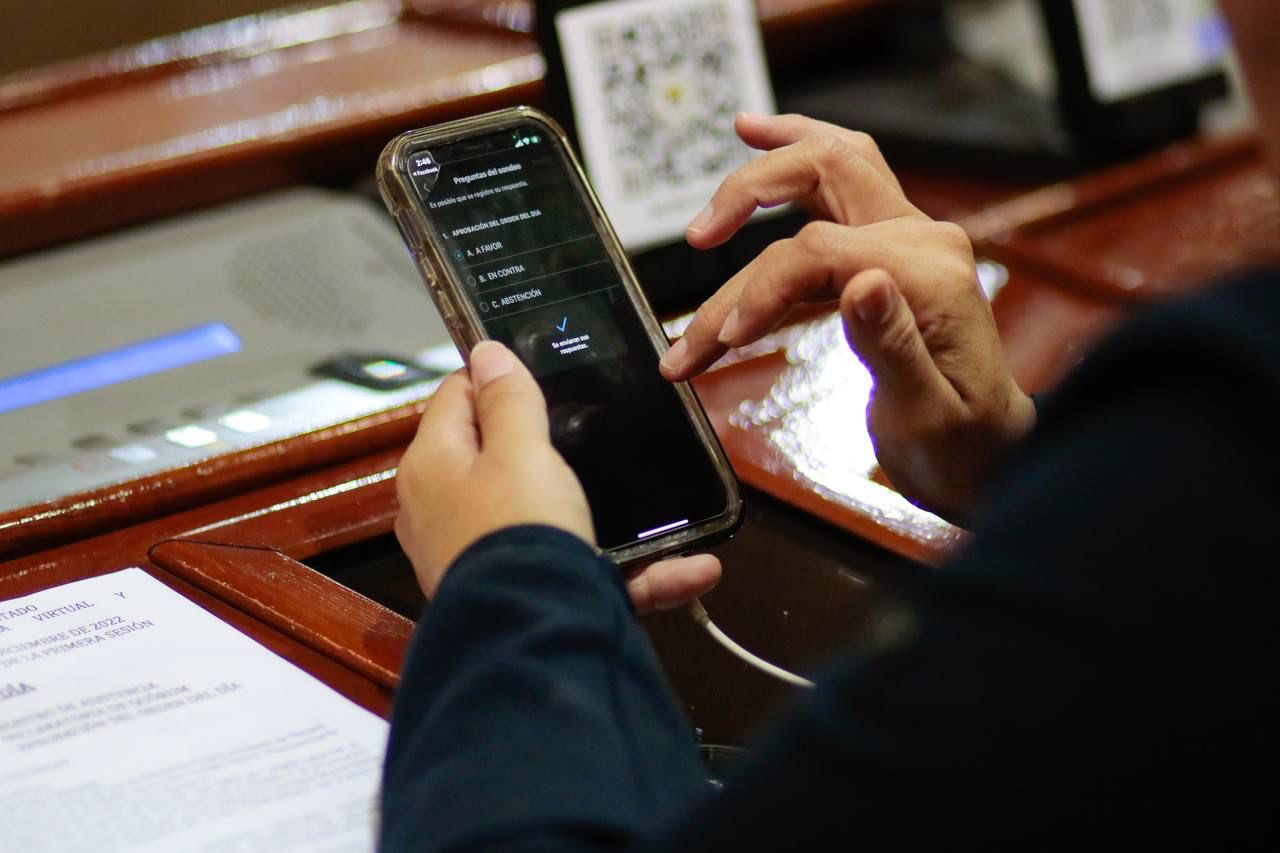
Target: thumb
x=510 y=409
x=881 y=329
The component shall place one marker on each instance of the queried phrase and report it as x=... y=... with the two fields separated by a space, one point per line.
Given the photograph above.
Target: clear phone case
x=464 y=323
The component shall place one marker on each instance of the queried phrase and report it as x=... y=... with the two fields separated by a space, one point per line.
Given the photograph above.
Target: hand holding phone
x=514 y=246
x=483 y=461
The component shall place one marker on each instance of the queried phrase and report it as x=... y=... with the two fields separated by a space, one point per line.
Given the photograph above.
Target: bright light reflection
x=814 y=417
x=815 y=412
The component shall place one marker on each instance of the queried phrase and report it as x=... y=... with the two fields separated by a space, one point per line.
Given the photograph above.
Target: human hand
x=945 y=406
x=483 y=461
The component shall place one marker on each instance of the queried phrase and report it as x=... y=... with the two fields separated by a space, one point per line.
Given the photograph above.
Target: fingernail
x=749 y=116
x=874 y=306
x=490 y=360
x=674 y=359
x=730 y=328
x=702 y=220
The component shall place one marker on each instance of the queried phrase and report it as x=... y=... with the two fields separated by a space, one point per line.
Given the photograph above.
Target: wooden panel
x=62 y=32
x=170 y=142
x=298 y=602
x=204 y=117
x=1046 y=329
x=1159 y=227
x=313 y=513
x=227 y=39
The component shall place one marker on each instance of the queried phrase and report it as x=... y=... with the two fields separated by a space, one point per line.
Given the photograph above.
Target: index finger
x=824 y=169
x=769 y=132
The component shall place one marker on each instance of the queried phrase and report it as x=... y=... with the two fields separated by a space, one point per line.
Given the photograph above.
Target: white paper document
x=131 y=719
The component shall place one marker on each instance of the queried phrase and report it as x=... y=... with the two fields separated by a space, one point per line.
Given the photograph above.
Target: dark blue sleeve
x=1095 y=671
x=532 y=713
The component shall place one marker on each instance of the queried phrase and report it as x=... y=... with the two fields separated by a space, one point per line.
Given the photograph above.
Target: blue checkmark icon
x=563 y=324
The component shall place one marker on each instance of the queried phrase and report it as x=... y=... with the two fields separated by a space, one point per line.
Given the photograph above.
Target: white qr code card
x=655 y=86
x=1136 y=46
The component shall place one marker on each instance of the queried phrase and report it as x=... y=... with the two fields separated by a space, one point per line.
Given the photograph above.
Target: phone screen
x=507 y=208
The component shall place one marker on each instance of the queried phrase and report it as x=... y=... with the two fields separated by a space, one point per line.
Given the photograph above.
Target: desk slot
x=304 y=604
x=376 y=568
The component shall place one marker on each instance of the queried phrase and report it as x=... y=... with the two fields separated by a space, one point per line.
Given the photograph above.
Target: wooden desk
x=234 y=533
x=1156 y=228
x=196 y=118
x=187 y=121
x=795 y=588
x=279 y=98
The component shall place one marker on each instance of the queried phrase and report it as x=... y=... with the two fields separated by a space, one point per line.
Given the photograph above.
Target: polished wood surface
x=169 y=142
x=296 y=601
x=62 y=32
x=1153 y=229
x=344 y=641
x=257 y=103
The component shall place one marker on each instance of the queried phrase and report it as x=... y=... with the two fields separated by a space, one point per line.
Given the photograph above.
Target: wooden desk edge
x=296 y=601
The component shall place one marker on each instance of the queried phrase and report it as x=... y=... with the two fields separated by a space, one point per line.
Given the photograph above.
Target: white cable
x=700 y=616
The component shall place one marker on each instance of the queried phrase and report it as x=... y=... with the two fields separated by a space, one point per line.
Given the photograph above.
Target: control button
x=34 y=460
x=92 y=442
x=150 y=426
x=378 y=371
x=191 y=436
x=93 y=463
x=134 y=454
x=204 y=412
x=385 y=370
x=245 y=421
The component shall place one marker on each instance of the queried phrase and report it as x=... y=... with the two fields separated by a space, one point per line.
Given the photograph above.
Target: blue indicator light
x=112 y=367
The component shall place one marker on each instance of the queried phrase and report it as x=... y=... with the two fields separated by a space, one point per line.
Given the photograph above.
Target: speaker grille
x=305 y=280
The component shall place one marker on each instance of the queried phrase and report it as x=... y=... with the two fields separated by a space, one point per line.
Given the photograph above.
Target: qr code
x=1129 y=20
x=672 y=83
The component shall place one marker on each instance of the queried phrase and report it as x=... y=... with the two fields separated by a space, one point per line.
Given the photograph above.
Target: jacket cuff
x=554 y=545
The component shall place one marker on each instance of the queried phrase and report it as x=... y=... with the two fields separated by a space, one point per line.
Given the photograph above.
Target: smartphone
x=514 y=246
